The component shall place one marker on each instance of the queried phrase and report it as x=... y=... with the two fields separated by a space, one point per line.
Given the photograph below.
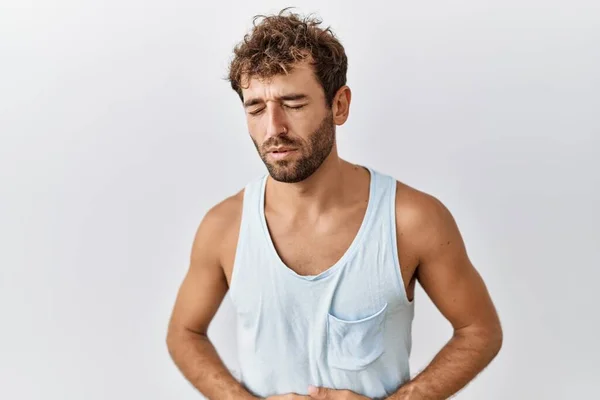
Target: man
x=320 y=256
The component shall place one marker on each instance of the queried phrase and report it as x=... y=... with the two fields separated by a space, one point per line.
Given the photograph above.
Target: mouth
x=281 y=152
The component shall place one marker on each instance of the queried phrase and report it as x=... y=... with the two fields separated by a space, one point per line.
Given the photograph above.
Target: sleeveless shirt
x=348 y=327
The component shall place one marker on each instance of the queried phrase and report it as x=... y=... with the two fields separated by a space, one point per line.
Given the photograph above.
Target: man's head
x=291 y=76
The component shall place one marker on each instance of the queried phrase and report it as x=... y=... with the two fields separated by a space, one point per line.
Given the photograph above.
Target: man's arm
x=458 y=291
x=198 y=299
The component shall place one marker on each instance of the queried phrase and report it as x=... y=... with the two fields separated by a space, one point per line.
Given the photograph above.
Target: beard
x=312 y=153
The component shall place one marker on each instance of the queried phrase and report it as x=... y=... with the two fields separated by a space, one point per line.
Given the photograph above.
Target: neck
x=324 y=189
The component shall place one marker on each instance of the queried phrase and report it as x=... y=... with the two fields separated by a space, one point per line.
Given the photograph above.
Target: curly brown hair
x=279 y=41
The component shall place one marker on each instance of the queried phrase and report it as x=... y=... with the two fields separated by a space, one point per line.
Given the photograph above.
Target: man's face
x=289 y=122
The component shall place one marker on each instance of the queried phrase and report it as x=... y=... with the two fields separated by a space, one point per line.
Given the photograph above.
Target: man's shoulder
x=218 y=228
x=223 y=219
x=225 y=214
x=418 y=212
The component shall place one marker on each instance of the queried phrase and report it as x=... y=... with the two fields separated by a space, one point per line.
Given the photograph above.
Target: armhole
x=239 y=247
x=394 y=239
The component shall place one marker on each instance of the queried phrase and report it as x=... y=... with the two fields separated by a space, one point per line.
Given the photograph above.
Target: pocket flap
x=354 y=344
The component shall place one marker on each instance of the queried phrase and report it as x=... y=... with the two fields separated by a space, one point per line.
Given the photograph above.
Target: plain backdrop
x=118 y=132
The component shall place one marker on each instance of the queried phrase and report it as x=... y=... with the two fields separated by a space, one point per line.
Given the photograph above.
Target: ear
x=341 y=105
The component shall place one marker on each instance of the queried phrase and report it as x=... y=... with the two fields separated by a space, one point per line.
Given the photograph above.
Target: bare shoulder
x=423 y=219
x=219 y=226
x=225 y=213
x=415 y=207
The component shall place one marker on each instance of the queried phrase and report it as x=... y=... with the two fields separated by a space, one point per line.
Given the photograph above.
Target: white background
x=118 y=132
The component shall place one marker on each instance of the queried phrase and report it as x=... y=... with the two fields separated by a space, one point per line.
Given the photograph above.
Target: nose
x=276 y=122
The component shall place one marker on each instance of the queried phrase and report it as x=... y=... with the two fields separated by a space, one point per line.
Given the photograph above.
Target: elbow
x=495 y=340
x=498 y=340
x=173 y=339
x=486 y=338
x=180 y=336
x=170 y=342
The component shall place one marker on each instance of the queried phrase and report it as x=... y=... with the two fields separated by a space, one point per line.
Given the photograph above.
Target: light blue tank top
x=348 y=327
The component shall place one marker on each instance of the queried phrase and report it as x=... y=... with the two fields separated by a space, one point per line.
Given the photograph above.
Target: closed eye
x=295 y=107
x=256 y=112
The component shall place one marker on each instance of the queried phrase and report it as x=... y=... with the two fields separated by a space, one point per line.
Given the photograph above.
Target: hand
x=321 y=393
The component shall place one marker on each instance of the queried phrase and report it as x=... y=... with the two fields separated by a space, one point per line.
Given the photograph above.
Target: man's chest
x=309 y=248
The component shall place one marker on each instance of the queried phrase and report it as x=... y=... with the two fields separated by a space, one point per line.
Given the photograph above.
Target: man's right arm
x=198 y=300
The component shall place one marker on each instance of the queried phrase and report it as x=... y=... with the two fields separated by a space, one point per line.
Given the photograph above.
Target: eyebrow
x=287 y=97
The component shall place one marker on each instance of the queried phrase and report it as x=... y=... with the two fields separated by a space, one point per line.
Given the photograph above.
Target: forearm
x=199 y=362
x=457 y=363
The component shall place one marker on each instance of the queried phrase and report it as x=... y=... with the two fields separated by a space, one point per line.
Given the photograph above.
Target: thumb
x=320 y=393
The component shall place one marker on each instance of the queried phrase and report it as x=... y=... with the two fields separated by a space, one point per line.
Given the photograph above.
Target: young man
x=321 y=256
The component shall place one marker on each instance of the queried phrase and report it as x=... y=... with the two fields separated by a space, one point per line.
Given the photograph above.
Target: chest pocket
x=354 y=344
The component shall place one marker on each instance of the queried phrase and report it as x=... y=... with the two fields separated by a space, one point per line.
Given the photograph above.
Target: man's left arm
x=455 y=287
